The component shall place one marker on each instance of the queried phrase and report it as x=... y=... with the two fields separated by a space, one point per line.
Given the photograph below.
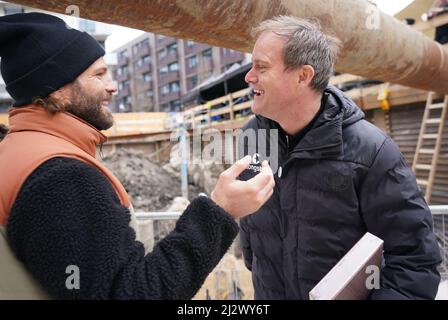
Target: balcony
x=169 y=97
x=169 y=77
x=143 y=85
x=231 y=58
x=144 y=68
x=143 y=51
x=165 y=41
x=190 y=70
x=122 y=77
x=122 y=60
x=196 y=48
x=170 y=57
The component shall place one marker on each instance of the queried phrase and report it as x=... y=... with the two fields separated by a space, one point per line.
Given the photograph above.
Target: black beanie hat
x=40 y=54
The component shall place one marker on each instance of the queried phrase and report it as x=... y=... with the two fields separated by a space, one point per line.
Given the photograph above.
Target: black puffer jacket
x=345 y=177
x=67 y=213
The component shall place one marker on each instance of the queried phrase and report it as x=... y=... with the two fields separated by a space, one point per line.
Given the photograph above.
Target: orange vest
x=36 y=136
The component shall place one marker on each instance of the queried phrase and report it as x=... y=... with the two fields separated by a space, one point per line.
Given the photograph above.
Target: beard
x=88 y=107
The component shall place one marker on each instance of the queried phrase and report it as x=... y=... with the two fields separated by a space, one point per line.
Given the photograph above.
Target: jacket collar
x=62 y=124
x=324 y=139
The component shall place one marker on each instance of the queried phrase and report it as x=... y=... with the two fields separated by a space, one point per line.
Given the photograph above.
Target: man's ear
x=306 y=74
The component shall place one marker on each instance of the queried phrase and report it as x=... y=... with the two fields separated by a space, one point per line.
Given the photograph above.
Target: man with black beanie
x=66 y=222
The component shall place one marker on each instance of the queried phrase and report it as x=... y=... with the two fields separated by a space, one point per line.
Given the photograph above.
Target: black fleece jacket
x=67 y=213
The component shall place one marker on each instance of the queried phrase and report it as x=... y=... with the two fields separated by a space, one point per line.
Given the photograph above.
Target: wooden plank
x=198 y=108
x=242 y=106
x=423 y=166
x=422 y=182
x=201 y=117
x=399 y=95
x=230 y=124
x=241 y=93
x=436 y=106
x=433 y=121
x=218 y=112
x=232 y=113
x=219 y=100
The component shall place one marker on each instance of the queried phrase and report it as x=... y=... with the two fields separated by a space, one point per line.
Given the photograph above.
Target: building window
x=160 y=37
x=190 y=43
x=193 y=61
x=140 y=45
x=147 y=77
x=163 y=69
x=194 y=81
x=175 y=105
x=120 y=86
x=174 y=86
x=122 y=71
x=165 y=89
x=149 y=93
x=172 y=48
x=127 y=100
x=173 y=66
x=146 y=60
x=123 y=54
x=161 y=53
x=166 y=107
x=135 y=48
x=207 y=54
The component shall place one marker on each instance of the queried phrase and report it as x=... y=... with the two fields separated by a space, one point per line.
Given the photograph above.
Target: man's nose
x=111 y=85
x=250 y=76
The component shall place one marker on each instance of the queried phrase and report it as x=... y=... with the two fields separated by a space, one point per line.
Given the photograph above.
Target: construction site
x=391 y=67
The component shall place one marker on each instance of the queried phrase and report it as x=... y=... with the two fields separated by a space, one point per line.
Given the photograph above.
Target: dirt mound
x=150 y=186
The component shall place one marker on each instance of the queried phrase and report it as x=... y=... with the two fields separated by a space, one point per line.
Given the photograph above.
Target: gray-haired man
x=338 y=177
